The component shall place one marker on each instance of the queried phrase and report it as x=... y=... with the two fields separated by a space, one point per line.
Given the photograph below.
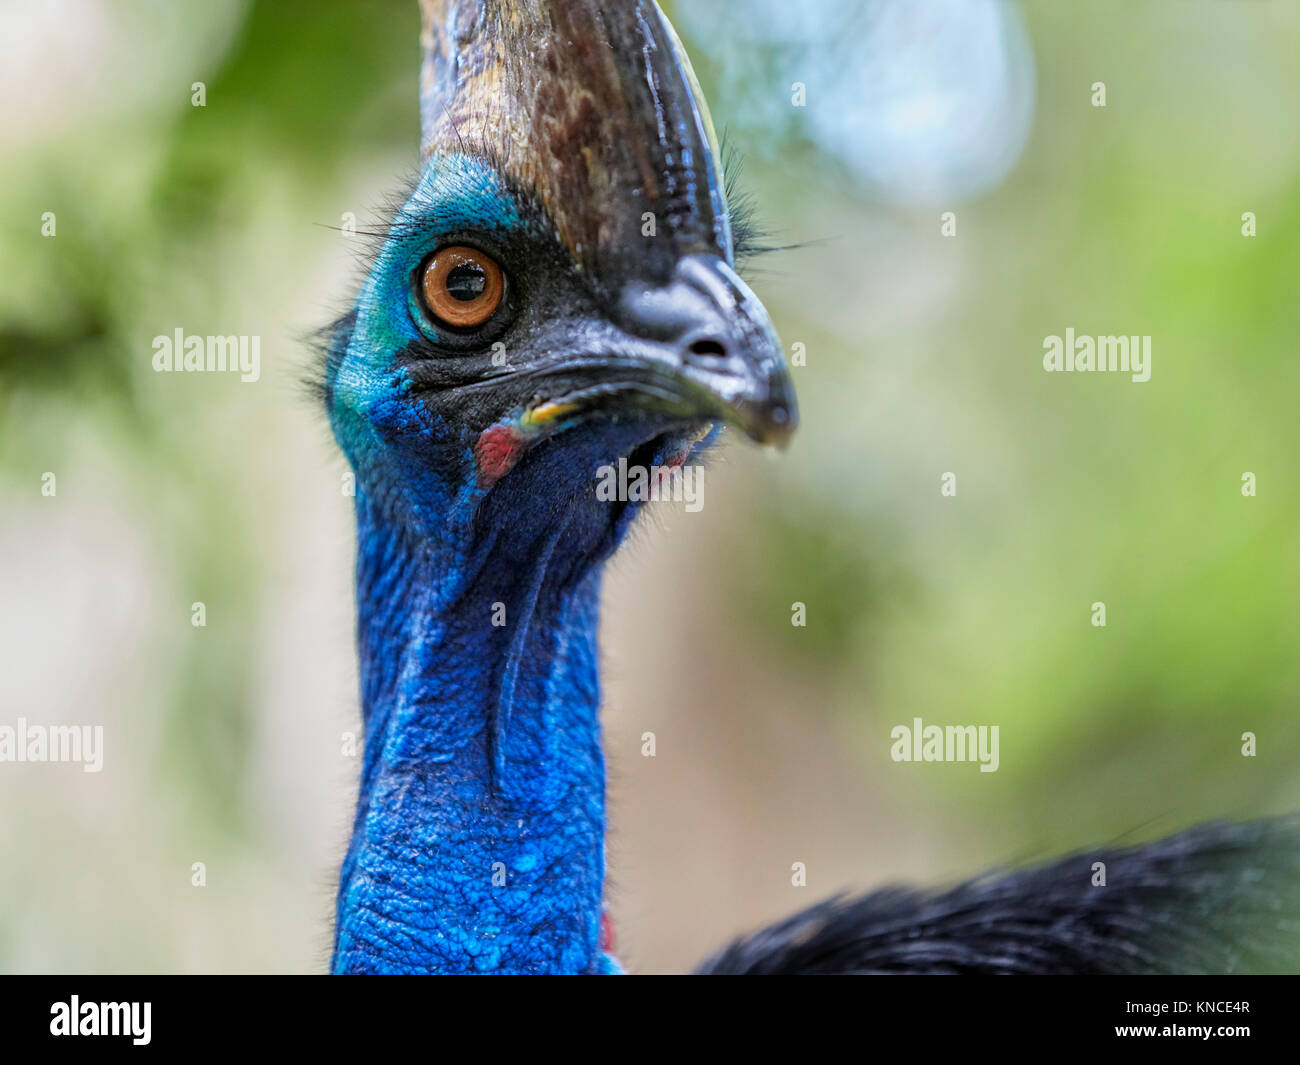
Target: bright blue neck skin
x=454 y=866
x=478 y=844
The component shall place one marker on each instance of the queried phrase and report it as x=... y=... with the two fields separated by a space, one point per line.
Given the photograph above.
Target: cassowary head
x=557 y=293
x=558 y=290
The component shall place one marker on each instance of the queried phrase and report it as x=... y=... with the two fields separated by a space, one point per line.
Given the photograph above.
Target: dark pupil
x=466 y=282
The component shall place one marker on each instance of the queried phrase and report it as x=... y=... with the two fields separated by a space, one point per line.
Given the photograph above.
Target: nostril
x=708 y=349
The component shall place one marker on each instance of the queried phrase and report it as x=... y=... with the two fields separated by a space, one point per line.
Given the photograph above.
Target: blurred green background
x=224 y=743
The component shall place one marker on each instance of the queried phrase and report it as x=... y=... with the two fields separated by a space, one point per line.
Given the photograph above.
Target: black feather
x=1218 y=898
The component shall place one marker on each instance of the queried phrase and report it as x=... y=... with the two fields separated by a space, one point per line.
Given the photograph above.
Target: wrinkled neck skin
x=478 y=844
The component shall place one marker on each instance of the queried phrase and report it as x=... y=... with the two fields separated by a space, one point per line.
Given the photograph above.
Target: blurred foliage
x=1072 y=488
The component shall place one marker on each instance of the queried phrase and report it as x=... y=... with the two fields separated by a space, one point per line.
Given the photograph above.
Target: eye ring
x=461 y=286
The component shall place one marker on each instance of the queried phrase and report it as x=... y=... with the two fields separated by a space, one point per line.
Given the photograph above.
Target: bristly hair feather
x=750 y=237
x=365 y=244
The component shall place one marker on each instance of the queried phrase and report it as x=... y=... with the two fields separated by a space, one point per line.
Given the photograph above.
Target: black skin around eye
x=466 y=282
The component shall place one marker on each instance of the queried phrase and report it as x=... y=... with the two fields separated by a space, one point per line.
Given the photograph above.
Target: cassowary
x=558 y=292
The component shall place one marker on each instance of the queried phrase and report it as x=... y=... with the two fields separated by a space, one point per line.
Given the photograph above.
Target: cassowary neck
x=479 y=836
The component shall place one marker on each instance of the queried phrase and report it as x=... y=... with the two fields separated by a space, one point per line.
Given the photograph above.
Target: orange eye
x=462 y=286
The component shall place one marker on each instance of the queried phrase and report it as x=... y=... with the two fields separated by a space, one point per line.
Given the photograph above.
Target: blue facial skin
x=478 y=844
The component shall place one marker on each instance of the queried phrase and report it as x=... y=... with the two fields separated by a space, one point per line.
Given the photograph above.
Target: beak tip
x=774 y=423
